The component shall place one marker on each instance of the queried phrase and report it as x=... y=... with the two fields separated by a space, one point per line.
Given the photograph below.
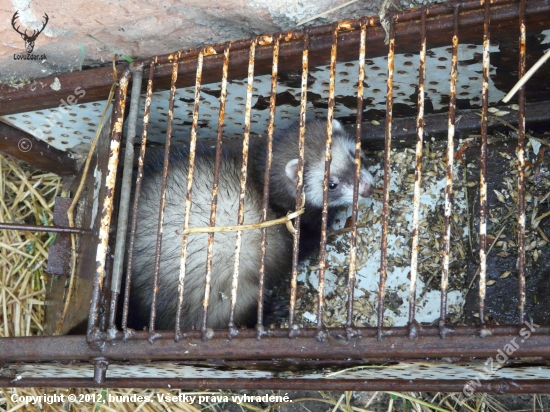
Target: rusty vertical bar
x=357 y=164
x=139 y=179
x=387 y=172
x=244 y=166
x=163 y=195
x=215 y=184
x=189 y=192
x=107 y=206
x=483 y=171
x=126 y=187
x=265 y=201
x=413 y=325
x=321 y=334
x=299 y=184
x=521 y=165
x=449 y=177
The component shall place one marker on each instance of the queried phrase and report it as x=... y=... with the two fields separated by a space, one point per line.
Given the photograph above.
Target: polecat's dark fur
x=279 y=241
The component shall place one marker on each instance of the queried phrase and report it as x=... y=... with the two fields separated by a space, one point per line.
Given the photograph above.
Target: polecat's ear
x=291 y=170
x=337 y=126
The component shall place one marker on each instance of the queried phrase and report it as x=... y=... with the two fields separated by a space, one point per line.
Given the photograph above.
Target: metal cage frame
x=105 y=345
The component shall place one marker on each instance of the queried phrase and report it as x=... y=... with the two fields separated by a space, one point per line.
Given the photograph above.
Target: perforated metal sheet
x=70 y=129
x=73 y=131
x=367 y=277
x=405 y=84
x=439 y=371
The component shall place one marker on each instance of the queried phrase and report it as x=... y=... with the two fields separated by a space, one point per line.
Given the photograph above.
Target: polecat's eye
x=332 y=185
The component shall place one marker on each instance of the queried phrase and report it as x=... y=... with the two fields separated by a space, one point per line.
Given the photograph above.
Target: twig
x=465 y=186
x=344 y=230
x=426 y=286
x=515 y=129
x=526 y=77
x=539 y=218
x=207 y=229
x=418 y=401
x=371 y=399
x=338 y=403
x=331 y=402
x=18 y=301
x=70 y=211
x=543 y=235
x=127 y=58
x=544 y=197
x=489 y=251
x=381 y=192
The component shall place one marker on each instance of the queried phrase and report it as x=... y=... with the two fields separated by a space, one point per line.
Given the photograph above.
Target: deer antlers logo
x=29 y=40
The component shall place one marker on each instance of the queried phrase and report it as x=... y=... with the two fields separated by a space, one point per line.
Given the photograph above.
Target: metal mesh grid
x=97 y=337
x=390 y=102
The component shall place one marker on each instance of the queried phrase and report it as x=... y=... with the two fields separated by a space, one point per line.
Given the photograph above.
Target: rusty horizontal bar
x=421 y=385
x=465 y=344
x=38 y=153
x=436 y=125
x=39 y=228
x=38 y=94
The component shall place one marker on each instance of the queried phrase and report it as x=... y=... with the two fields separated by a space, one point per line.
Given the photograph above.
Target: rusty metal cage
x=445 y=355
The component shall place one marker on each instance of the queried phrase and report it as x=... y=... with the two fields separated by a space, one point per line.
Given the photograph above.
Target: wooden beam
x=38 y=153
x=39 y=94
x=436 y=125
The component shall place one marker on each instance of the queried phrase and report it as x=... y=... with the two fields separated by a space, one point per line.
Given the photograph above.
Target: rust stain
x=240 y=219
x=189 y=192
x=417 y=176
x=265 y=200
x=158 y=244
x=217 y=163
x=386 y=195
x=350 y=329
x=483 y=173
x=449 y=178
x=321 y=333
x=107 y=207
x=521 y=166
x=299 y=185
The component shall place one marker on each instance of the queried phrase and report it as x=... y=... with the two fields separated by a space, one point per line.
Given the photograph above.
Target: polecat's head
x=342 y=167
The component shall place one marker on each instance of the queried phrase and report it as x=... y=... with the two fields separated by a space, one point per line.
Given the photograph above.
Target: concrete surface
x=143 y=28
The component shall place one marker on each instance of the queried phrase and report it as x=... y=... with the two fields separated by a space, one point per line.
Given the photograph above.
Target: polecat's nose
x=366 y=186
x=365 y=189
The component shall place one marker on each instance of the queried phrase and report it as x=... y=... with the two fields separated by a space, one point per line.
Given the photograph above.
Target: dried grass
x=28 y=197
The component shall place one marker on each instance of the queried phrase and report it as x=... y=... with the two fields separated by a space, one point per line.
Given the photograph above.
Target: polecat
x=282 y=199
